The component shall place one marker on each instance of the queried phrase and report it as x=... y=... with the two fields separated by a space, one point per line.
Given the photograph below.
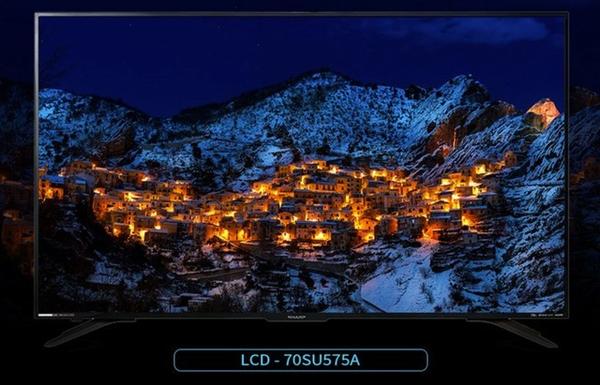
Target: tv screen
x=301 y=165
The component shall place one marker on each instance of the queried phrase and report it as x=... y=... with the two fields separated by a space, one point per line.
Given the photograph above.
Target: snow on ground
x=410 y=285
x=324 y=287
x=270 y=156
x=110 y=274
x=339 y=309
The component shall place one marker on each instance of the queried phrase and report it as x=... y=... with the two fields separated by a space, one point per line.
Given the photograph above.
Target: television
x=301 y=166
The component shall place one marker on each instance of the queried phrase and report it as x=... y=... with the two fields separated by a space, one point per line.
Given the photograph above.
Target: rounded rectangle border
x=308 y=350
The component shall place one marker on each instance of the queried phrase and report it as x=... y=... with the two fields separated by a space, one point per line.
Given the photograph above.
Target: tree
x=282 y=133
x=208 y=173
x=247 y=160
x=230 y=173
x=307 y=146
x=324 y=149
x=152 y=164
x=347 y=161
x=196 y=151
x=203 y=173
x=281 y=300
x=296 y=154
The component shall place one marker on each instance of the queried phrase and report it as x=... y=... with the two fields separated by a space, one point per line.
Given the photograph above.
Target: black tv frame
x=503 y=320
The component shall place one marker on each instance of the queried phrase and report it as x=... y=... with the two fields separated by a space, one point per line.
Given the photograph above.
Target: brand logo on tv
x=296 y=317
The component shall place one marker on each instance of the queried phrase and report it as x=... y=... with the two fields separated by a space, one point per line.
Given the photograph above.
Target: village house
x=489 y=198
x=411 y=225
x=314 y=202
x=312 y=231
x=343 y=239
x=388 y=225
x=52 y=187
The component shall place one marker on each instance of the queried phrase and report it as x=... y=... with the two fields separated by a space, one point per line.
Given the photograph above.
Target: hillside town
x=314 y=204
x=411 y=200
x=16 y=223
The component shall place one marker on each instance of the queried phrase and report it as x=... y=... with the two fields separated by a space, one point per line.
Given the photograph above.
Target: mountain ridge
x=412 y=127
x=427 y=132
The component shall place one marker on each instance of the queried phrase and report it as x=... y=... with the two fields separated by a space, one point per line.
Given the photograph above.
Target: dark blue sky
x=16 y=25
x=162 y=65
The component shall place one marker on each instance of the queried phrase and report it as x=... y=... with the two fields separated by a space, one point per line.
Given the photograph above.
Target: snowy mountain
x=534 y=267
x=88 y=127
x=428 y=132
x=249 y=135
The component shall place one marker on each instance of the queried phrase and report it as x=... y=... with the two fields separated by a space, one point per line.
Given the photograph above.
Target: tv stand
x=509 y=325
x=521 y=330
x=82 y=329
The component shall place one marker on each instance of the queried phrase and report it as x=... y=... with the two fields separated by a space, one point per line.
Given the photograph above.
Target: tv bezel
x=283 y=316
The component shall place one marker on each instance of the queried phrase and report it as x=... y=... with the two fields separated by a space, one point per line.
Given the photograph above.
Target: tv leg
x=521 y=330
x=82 y=329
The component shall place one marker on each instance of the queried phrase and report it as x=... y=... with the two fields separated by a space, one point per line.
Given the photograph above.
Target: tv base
x=511 y=326
x=80 y=330
x=521 y=330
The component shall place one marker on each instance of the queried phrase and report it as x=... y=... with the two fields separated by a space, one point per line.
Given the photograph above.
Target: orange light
x=225 y=234
x=466 y=221
x=321 y=236
x=303 y=180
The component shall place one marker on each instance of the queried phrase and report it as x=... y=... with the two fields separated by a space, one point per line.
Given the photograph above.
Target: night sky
x=162 y=65
x=16 y=49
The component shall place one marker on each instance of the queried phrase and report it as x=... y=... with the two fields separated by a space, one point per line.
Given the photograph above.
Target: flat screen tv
x=301 y=165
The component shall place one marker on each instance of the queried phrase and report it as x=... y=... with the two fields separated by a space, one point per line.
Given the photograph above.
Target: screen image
x=318 y=165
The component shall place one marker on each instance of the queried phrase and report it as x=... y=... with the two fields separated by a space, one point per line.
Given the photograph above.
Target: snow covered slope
x=88 y=127
x=429 y=132
x=532 y=277
x=391 y=125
